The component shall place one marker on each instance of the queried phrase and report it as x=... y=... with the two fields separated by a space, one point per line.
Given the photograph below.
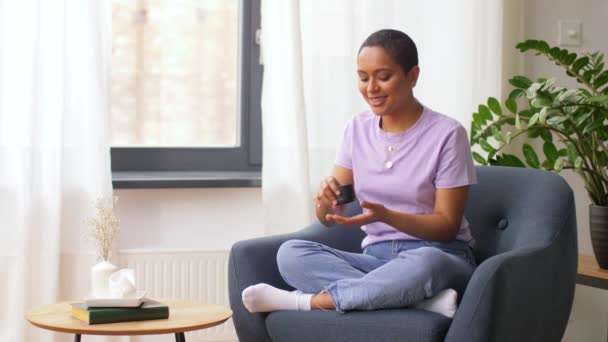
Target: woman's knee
x=291 y=254
x=446 y=269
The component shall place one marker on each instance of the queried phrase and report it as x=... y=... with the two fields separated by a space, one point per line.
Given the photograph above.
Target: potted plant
x=103 y=229
x=571 y=124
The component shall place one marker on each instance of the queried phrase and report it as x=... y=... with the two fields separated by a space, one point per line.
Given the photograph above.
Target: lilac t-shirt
x=432 y=154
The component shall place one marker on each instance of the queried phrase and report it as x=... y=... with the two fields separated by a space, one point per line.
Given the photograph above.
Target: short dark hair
x=397 y=44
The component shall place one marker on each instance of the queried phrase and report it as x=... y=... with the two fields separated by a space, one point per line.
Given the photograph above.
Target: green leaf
x=572 y=154
x=486 y=146
x=476 y=127
x=484 y=112
x=494 y=106
x=602 y=99
x=585 y=92
x=550 y=151
x=578 y=163
x=496 y=134
x=517 y=122
x=542 y=115
x=526 y=113
x=521 y=82
x=478 y=120
x=568 y=59
x=543 y=46
x=554 y=121
x=531 y=157
x=508 y=137
x=554 y=52
x=509 y=160
x=569 y=95
x=593 y=126
x=532 y=90
x=534 y=132
x=548 y=84
x=558 y=166
x=583 y=118
x=478 y=158
x=546 y=134
x=511 y=105
x=515 y=93
x=525 y=45
x=579 y=63
x=587 y=75
x=541 y=101
x=547 y=165
x=533 y=120
x=601 y=79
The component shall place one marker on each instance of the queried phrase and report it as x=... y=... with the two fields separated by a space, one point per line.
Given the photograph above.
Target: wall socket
x=570 y=33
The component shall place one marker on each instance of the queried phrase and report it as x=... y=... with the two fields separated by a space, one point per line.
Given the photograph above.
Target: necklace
x=389 y=157
x=393 y=141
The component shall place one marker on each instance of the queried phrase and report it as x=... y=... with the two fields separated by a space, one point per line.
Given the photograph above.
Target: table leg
x=77 y=338
x=180 y=337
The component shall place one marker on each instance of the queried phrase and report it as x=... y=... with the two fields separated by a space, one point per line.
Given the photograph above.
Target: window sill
x=185 y=179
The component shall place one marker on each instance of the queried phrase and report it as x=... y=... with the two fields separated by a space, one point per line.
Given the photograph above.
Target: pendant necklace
x=389 y=159
x=397 y=141
x=391 y=141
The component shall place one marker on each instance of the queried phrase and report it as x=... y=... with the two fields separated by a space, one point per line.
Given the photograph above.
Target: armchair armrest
x=520 y=295
x=254 y=261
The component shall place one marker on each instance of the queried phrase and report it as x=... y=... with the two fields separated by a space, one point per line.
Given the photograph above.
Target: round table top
x=184 y=316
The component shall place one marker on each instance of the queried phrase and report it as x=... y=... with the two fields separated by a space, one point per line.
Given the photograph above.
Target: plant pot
x=100 y=279
x=598 y=226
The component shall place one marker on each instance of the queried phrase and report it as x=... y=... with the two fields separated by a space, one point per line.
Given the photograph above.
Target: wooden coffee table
x=183 y=316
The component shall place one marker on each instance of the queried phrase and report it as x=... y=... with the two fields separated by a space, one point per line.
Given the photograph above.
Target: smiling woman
x=411 y=168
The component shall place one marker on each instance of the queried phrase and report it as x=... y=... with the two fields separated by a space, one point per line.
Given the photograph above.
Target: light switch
x=570 y=33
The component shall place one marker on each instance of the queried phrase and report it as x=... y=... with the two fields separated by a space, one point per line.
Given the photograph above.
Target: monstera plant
x=569 y=123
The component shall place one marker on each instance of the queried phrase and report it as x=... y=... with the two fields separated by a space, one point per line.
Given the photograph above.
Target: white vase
x=100 y=279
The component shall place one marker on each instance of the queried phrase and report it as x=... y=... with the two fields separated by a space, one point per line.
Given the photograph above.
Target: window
x=186 y=84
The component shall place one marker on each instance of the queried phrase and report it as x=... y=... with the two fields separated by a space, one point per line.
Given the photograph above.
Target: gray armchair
x=525 y=225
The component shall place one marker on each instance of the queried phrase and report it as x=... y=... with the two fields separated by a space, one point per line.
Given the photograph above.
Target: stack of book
x=148 y=310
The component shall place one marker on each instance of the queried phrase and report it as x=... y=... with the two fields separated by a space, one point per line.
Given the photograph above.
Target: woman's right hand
x=327 y=196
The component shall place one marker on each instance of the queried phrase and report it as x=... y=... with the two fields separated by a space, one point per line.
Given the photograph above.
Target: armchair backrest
x=516 y=208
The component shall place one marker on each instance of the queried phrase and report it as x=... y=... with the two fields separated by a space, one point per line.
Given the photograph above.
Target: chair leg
x=180 y=337
x=77 y=338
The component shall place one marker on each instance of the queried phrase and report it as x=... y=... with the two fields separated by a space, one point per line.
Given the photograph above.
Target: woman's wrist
x=387 y=216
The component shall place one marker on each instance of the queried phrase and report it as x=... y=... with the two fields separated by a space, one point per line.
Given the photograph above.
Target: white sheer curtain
x=310 y=84
x=54 y=155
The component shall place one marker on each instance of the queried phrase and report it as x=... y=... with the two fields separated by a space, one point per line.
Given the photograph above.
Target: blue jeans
x=389 y=274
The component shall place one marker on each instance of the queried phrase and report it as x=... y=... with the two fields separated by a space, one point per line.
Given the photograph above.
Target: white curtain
x=310 y=84
x=54 y=155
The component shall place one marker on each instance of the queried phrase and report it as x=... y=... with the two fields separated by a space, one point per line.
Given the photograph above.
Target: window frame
x=170 y=166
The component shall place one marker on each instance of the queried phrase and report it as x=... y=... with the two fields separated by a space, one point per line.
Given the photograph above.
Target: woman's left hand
x=375 y=212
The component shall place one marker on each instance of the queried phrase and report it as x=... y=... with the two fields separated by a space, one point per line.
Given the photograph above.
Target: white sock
x=443 y=303
x=264 y=298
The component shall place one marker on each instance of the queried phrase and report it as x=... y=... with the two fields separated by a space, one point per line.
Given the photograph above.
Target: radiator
x=193 y=275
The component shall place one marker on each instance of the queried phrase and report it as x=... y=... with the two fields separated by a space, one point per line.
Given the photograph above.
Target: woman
x=411 y=168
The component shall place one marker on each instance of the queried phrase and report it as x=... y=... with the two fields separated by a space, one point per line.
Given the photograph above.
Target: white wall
x=589 y=318
x=208 y=219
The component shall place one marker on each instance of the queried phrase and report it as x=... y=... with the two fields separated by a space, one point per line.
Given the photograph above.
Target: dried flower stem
x=104 y=226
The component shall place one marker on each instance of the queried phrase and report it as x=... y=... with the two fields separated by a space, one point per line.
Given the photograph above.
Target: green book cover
x=149 y=309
